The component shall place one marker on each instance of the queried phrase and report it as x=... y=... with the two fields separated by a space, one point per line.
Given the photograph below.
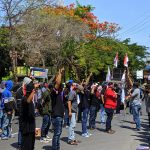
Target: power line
x=138 y=25
x=139 y=30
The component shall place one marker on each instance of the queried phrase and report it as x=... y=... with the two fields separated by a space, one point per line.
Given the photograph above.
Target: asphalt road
x=125 y=137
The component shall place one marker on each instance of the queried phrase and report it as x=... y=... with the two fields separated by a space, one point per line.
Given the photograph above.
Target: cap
x=70 y=81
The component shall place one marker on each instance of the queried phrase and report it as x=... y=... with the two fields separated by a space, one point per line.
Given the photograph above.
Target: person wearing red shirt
x=110 y=106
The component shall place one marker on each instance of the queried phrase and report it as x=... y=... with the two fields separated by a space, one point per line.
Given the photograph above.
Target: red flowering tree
x=85 y=15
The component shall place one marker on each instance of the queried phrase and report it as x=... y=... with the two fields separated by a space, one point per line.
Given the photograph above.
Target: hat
x=26 y=80
x=70 y=81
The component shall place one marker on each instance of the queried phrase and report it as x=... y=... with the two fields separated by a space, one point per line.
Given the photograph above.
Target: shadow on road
x=15 y=145
x=47 y=147
x=126 y=127
x=144 y=135
x=131 y=122
x=101 y=130
x=64 y=139
x=78 y=132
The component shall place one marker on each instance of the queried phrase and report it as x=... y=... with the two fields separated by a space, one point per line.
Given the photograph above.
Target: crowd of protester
x=61 y=105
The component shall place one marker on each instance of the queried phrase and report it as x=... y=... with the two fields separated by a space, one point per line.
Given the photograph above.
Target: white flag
x=108 y=76
x=123 y=77
x=123 y=95
x=116 y=60
x=126 y=60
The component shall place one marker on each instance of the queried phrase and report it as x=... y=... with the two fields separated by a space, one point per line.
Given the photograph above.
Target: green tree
x=4 y=52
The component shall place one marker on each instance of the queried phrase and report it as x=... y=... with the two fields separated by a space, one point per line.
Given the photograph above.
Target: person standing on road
x=147 y=101
x=19 y=96
x=2 y=87
x=110 y=106
x=101 y=101
x=27 y=118
x=9 y=106
x=94 y=107
x=46 y=114
x=57 y=111
x=85 y=105
x=136 y=105
x=72 y=107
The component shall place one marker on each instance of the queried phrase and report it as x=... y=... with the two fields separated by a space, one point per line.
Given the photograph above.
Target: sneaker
x=67 y=127
x=137 y=129
x=89 y=134
x=4 y=138
x=85 y=135
x=12 y=136
x=44 y=140
x=49 y=138
x=92 y=128
x=110 y=131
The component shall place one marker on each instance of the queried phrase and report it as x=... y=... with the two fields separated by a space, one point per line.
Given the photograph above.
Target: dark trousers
x=149 y=118
x=45 y=125
x=28 y=141
x=109 y=113
x=57 y=124
x=66 y=117
x=79 y=114
x=118 y=106
x=19 y=138
x=92 y=118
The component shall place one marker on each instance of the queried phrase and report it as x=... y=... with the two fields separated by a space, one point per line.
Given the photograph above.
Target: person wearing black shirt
x=93 y=107
x=27 y=118
x=57 y=111
x=85 y=105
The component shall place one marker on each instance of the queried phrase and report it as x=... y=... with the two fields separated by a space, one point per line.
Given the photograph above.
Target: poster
x=38 y=72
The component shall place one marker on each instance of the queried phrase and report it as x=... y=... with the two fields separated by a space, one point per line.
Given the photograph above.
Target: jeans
x=92 y=118
x=57 y=124
x=109 y=113
x=19 y=138
x=6 y=128
x=66 y=117
x=1 y=118
x=45 y=125
x=72 y=125
x=84 y=120
x=102 y=114
x=136 y=115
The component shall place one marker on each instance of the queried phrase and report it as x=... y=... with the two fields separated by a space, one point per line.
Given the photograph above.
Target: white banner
x=139 y=74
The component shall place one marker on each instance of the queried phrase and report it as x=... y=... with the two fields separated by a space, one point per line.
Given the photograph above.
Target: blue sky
x=133 y=16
